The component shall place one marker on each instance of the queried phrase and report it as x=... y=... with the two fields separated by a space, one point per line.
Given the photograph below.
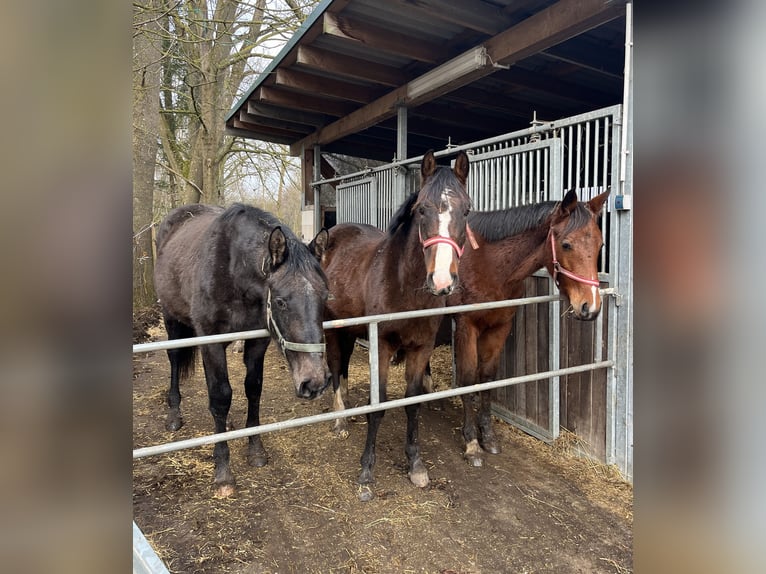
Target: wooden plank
x=376 y=38
x=236 y=129
x=472 y=14
x=272 y=133
x=350 y=67
x=286 y=98
x=289 y=115
x=272 y=123
x=313 y=84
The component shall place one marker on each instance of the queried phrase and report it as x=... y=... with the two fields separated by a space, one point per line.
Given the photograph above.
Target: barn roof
x=465 y=69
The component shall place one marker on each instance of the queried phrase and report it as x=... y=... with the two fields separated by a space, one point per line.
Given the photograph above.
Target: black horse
x=222 y=271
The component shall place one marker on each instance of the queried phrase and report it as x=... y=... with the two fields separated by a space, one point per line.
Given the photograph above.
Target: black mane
x=299 y=257
x=497 y=225
x=403 y=215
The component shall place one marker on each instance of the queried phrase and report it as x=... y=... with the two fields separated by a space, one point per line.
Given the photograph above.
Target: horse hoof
x=365 y=493
x=420 y=478
x=474 y=460
x=474 y=453
x=491 y=446
x=257 y=460
x=224 y=490
x=418 y=474
x=173 y=423
x=340 y=431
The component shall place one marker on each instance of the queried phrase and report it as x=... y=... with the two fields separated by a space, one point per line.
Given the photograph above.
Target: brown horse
x=222 y=271
x=414 y=265
x=562 y=236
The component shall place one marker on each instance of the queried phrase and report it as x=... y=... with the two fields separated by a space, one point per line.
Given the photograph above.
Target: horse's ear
x=428 y=165
x=318 y=245
x=569 y=202
x=461 y=167
x=597 y=203
x=277 y=247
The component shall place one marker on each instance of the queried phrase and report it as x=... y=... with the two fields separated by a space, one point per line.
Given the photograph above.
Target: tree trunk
x=146 y=105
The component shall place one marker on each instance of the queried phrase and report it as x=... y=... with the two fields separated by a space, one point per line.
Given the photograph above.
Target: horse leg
x=489 y=359
x=343 y=347
x=254 y=352
x=467 y=366
x=413 y=374
x=219 y=402
x=181 y=364
x=373 y=424
x=429 y=387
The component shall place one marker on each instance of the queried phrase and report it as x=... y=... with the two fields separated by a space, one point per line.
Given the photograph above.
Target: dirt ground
x=534 y=508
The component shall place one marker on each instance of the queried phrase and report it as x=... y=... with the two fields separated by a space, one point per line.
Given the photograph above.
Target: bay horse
x=226 y=270
x=413 y=265
x=563 y=237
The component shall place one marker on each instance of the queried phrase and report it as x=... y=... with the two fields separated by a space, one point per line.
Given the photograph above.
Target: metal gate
x=585 y=153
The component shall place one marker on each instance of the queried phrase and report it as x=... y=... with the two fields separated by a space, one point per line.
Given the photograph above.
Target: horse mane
x=403 y=215
x=502 y=223
x=299 y=259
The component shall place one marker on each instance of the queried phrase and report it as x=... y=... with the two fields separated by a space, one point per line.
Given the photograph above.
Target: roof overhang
x=465 y=70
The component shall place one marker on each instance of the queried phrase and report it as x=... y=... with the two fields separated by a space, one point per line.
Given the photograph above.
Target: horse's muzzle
x=442 y=287
x=309 y=389
x=584 y=313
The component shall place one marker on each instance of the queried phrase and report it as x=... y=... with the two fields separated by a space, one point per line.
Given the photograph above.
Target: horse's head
x=295 y=300
x=574 y=242
x=440 y=214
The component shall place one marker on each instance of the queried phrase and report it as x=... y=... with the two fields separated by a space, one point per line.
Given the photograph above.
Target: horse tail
x=184 y=357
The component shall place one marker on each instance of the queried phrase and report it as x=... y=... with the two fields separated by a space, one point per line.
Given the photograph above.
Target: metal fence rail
x=372 y=320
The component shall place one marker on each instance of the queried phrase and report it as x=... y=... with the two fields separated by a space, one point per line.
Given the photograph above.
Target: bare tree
x=192 y=60
x=146 y=85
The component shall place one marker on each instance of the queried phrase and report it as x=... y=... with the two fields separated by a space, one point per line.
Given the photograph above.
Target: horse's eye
x=467 y=211
x=422 y=209
x=281 y=304
x=566 y=245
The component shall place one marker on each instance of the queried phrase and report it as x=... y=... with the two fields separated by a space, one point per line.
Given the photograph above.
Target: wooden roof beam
x=313 y=84
x=477 y=16
x=289 y=115
x=362 y=33
x=350 y=67
x=546 y=28
x=288 y=99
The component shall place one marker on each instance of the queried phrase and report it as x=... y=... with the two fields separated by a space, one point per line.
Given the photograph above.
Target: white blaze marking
x=442 y=277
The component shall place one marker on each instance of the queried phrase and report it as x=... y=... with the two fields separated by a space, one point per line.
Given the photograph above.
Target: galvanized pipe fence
x=375 y=404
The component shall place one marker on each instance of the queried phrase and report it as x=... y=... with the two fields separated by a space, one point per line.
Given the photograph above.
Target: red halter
x=449 y=241
x=557 y=268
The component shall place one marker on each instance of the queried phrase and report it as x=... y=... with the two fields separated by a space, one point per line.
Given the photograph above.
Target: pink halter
x=557 y=268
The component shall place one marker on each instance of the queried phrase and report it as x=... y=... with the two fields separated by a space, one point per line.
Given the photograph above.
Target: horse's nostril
x=585 y=309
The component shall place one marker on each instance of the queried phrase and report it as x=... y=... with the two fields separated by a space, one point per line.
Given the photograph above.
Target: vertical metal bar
x=373 y=198
x=588 y=157
x=578 y=150
x=317 y=174
x=568 y=151
x=537 y=174
x=554 y=316
x=372 y=338
x=401 y=133
x=600 y=185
